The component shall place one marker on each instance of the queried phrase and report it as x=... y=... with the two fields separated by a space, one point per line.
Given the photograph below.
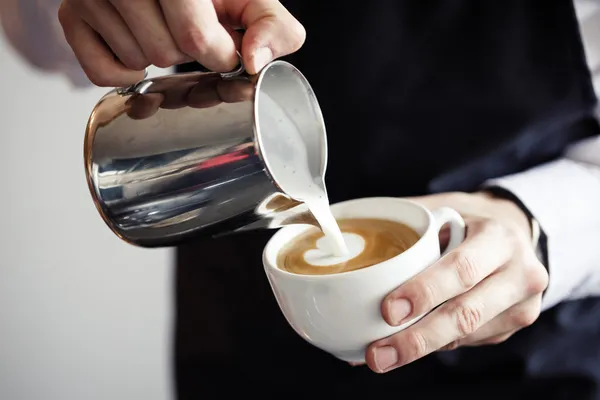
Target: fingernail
x=262 y=57
x=399 y=309
x=385 y=358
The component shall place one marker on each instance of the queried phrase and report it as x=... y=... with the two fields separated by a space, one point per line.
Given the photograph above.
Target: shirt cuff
x=563 y=196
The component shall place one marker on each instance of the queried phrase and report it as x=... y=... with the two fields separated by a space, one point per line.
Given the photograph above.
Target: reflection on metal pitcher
x=201 y=154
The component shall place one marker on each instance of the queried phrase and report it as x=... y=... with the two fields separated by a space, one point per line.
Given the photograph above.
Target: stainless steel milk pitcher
x=205 y=153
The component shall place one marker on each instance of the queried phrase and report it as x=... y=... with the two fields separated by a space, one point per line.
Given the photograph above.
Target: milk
x=285 y=152
x=336 y=242
x=324 y=256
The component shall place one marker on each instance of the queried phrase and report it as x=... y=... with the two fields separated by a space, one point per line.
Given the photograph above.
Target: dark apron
x=418 y=97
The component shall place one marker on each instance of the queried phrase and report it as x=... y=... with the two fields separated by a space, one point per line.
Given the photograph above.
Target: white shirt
x=564 y=195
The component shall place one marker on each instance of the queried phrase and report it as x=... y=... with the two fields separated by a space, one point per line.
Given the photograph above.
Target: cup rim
x=430 y=227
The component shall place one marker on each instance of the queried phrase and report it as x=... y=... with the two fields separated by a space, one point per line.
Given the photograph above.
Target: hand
x=486 y=289
x=169 y=32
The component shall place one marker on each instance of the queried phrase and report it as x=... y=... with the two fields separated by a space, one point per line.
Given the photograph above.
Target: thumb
x=271 y=32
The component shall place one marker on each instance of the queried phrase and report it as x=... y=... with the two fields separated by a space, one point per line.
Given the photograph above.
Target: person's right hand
x=114 y=40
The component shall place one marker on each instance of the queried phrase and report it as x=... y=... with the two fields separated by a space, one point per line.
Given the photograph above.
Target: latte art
x=325 y=256
x=369 y=241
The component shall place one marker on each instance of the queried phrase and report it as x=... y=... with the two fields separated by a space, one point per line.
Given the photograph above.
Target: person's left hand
x=487 y=289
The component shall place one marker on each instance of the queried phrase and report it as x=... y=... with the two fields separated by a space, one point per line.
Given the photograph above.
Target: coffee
x=369 y=241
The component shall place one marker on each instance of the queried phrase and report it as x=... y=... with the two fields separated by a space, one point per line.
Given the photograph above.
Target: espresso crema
x=369 y=241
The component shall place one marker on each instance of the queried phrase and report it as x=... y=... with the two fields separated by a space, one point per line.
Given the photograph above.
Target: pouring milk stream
x=288 y=160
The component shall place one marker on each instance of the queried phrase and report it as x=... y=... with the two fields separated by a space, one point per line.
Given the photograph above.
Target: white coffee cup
x=341 y=313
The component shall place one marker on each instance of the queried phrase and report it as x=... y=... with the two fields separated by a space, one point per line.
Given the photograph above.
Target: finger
x=271 y=31
x=515 y=318
x=356 y=364
x=236 y=36
x=450 y=322
x=150 y=29
x=144 y=106
x=107 y=22
x=492 y=340
x=501 y=338
x=96 y=59
x=484 y=250
x=444 y=237
x=198 y=33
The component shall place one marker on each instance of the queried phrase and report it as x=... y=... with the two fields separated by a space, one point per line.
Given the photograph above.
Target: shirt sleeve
x=564 y=197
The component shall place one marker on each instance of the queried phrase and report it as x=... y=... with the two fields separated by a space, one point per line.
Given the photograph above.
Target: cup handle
x=446 y=215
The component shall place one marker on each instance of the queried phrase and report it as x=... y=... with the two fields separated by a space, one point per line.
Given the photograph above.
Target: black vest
x=418 y=97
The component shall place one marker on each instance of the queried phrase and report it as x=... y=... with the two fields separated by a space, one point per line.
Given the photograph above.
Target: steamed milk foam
x=288 y=161
x=335 y=243
x=323 y=256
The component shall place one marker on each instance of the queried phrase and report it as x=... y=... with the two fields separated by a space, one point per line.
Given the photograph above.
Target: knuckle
x=498 y=339
x=136 y=63
x=467 y=318
x=466 y=269
x=493 y=227
x=97 y=77
x=62 y=13
x=525 y=317
x=477 y=225
x=417 y=345
x=195 y=41
x=424 y=295
x=537 y=278
x=166 y=59
x=298 y=36
x=141 y=64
